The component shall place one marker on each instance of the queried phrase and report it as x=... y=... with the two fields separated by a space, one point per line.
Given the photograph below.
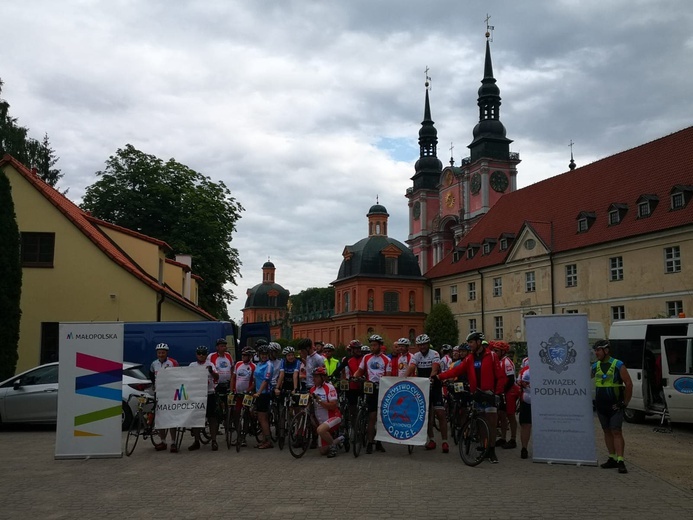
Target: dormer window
x=488 y=246
x=616 y=213
x=505 y=240
x=585 y=219
x=680 y=196
x=646 y=205
x=470 y=254
x=471 y=250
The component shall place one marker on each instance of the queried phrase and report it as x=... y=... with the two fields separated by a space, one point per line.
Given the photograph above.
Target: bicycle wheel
x=474 y=441
x=273 y=418
x=241 y=428
x=281 y=427
x=205 y=434
x=360 y=431
x=136 y=427
x=230 y=431
x=299 y=435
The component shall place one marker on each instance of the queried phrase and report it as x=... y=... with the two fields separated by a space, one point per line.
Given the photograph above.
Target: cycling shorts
x=211 y=410
x=262 y=403
x=435 y=396
x=333 y=423
x=372 y=401
x=525 y=413
x=353 y=396
x=612 y=421
x=511 y=398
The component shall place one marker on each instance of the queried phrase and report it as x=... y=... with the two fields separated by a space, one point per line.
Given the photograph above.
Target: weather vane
x=489 y=28
x=428 y=79
x=452 y=159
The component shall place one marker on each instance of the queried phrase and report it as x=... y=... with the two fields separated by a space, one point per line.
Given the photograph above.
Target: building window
x=571 y=275
x=674 y=308
x=530 y=282
x=453 y=294
x=472 y=325
x=582 y=225
x=677 y=201
x=503 y=244
x=470 y=253
x=615 y=268
x=618 y=312
x=498 y=327
x=614 y=217
x=672 y=259
x=471 y=291
x=571 y=311
x=38 y=249
x=498 y=286
x=391 y=266
x=346 y=302
x=391 y=300
x=436 y=295
x=272 y=301
x=644 y=209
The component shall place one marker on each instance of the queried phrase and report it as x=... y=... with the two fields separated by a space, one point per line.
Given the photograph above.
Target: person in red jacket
x=485 y=374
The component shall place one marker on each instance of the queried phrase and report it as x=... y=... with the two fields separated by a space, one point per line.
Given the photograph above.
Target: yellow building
x=613 y=239
x=79 y=268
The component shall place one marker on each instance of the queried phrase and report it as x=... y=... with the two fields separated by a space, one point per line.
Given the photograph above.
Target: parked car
x=32 y=396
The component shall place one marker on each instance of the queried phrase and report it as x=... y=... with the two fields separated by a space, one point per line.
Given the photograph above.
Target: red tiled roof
x=551 y=207
x=185 y=267
x=127 y=231
x=87 y=225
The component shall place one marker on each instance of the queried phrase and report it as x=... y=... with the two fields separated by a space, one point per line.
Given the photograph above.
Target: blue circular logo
x=403 y=410
x=684 y=385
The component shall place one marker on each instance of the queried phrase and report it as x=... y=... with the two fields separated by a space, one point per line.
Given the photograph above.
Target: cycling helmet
x=422 y=339
x=456 y=348
x=202 y=350
x=289 y=350
x=328 y=346
x=602 y=343
x=354 y=343
x=478 y=336
x=263 y=349
x=500 y=345
x=403 y=341
x=305 y=344
x=465 y=347
x=222 y=341
x=318 y=343
x=274 y=346
x=260 y=342
x=247 y=351
x=320 y=371
x=365 y=348
x=162 y=346
x=376 y=337
x=446 y=348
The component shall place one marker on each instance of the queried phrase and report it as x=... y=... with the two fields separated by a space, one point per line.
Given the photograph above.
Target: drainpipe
x=553 y=289
x=481 y=293
x=159 y=303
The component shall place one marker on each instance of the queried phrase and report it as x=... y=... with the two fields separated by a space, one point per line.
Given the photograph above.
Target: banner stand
x=403 y=410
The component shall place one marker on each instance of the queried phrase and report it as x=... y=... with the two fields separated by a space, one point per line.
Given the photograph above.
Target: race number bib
x=344 y=384
x=248 y=400
x=458 y=387
x=303 y=400
x=368 y=387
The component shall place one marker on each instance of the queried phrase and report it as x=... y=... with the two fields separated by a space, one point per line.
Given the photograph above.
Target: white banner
x=562 y=419
x=403 y=410
x=90 y=390
x=181 y=397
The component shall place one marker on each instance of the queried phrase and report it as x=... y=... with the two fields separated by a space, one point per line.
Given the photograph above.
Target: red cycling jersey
x=352 y=366
x=488 y=364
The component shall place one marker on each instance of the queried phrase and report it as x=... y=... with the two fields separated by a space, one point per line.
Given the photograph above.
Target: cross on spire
x=428 y=78
x=489 y=28
x=452 y=159
x=376 y=199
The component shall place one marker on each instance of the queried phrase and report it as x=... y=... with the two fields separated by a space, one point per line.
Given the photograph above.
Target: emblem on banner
x=403 y=410
x=557 y=353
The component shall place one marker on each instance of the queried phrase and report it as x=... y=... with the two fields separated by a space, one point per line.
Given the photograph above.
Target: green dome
x=258 y=296
x=367 y=259
x=377 y=209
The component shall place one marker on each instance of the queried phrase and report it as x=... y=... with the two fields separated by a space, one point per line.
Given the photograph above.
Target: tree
x=174 y=203
x=15 y=140
x=10 y=281
x=441 y=326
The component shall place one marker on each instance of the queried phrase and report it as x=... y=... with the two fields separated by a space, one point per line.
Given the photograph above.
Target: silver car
x=32 y=396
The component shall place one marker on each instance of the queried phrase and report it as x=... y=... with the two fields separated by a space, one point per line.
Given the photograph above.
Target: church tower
x=444 y=203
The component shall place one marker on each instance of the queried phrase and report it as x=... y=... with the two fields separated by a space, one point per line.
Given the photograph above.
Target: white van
x=658 y=354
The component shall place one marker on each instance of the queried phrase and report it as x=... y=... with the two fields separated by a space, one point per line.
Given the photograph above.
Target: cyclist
x=161 y=362
x=311 y=359
x=374 y=365
x=319 y=347
x=347 y=368
x=274 y=351
x=331 y=363
x=426 y=363
x=223 y=362
x=484 y=373
x=399 y=364
x=242 y=379
x=511 y=393
x=201 y=353
x=326 y=412
x=263 y=389
x=525 y=410
x=445 y=359
x=289 y=369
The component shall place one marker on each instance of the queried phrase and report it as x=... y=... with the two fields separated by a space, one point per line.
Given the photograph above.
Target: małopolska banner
x=402 y=410
x=181 y=397
x=562 y=420
x=90 y=390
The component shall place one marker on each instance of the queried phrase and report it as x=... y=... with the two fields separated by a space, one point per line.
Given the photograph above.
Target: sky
x=310 y=109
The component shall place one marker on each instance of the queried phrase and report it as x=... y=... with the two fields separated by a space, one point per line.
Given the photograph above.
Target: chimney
x=186 y=260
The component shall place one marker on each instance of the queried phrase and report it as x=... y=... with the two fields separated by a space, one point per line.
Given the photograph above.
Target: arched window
x=412 y=301
x=370 y=299
x=391 y=301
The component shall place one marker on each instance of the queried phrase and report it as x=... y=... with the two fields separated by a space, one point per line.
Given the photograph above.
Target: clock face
x=450 y=200
x=417 y=210
x=475 y=184
x=499 y=181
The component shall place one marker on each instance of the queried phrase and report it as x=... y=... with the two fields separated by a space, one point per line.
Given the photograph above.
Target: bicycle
x=284 y=414
x=302 y=427
x=457 y=400
x=474 y=434
x=246 y=423
x=142 y=424
x=360 y=428
x=345 y=426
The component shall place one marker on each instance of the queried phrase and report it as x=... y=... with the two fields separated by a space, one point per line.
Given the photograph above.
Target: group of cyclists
x=268 y=371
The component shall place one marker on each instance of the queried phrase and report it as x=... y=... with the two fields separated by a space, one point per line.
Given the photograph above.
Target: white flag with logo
x=181 y=397
x=402 y=410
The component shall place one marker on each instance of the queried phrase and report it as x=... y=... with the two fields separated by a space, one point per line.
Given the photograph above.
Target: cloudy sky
x=308 y=109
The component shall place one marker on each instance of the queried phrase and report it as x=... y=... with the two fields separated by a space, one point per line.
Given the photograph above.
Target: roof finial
x=452 y=160
x=376 y=199
x=489 y=28
x=572 y=162
x=268 y=258
x=427 y=84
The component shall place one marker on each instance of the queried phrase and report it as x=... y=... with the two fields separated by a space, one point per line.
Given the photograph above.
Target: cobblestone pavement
x=272 y=484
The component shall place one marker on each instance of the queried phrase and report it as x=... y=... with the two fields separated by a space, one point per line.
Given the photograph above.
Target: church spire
x=489 y=134
x=428 y=168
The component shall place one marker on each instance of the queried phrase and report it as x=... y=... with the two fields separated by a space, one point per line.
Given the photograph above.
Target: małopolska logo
x=557 y=353
x=180 y=394
x=403 y=410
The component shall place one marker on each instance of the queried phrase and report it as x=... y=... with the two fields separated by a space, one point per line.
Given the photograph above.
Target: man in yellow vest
x=614 y=390
x=330 y=362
